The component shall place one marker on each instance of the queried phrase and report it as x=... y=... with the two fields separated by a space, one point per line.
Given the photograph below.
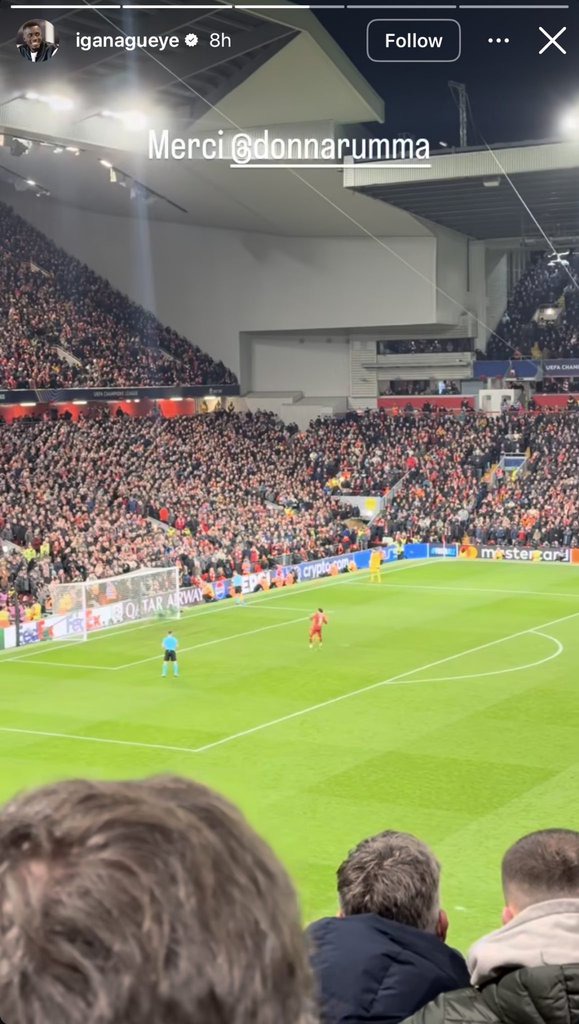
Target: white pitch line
x=467 y=590
x=502 y=671
x=217 y=640
x=97 y=739
x=284 y=607
x=65 y=664
x=222 y=639
x=394 y=680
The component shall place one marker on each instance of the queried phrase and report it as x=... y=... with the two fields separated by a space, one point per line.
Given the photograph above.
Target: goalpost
x=86 y=607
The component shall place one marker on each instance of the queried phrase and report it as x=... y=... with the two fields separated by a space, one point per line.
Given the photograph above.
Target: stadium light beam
x=569 y=123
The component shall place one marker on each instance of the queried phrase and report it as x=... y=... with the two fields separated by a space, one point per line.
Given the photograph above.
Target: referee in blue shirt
x=170 y=645
x=238 y=588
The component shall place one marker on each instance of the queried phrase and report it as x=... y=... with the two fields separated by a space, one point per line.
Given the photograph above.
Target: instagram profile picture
x=37 y=40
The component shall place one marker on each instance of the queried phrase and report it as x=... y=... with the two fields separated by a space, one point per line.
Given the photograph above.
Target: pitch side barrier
x=120 y=613
x=305 y=572
x=64 y=627
x=509 y=553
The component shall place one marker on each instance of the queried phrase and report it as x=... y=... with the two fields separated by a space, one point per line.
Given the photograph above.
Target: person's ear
x=340 y=913
x=508 y=915
x=442 y=925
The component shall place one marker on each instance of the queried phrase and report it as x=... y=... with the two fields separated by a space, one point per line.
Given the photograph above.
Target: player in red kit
x=318 y=620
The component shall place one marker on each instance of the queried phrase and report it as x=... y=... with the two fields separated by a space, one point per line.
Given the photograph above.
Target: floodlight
x=54 y=102
x=570 y=123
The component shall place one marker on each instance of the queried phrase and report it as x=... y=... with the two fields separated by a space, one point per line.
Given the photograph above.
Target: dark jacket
x=524 y=973
x=529 y=995
x=372 y=970
x=46 y=51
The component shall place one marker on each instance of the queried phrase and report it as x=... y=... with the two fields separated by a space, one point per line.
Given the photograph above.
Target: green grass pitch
x=444 y=702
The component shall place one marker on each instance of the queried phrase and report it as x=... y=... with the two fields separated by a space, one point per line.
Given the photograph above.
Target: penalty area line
x=217 y=640
x=503 y=671
x=403 y=678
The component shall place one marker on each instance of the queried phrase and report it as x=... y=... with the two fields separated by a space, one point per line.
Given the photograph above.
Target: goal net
x=82 y=608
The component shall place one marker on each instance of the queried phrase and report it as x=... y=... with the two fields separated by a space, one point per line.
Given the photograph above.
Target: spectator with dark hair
x=149 y=902
x=527 y=972
x=384 y=956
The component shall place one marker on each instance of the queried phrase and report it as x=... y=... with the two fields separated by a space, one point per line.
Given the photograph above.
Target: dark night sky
x=515 y=94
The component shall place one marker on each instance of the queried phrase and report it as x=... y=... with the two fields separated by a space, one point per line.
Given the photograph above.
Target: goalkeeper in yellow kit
x=376 y=566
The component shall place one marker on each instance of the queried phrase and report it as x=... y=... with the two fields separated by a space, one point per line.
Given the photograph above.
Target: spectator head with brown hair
x=396 y=876
x=149 y=902
x=384 y=956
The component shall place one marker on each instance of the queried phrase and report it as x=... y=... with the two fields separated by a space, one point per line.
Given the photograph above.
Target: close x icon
x=552 y=40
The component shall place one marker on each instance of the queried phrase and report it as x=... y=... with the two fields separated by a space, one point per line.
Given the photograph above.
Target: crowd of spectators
x=541 y=504
x=207 y=493
x=155 y=902
x=63 y=325
x=225 y=492
x=444 y=481
x=547 y=282
x=104 y=496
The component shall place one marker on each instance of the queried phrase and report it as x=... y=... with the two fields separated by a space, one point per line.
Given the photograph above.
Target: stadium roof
x=194 y=80
x=282 y=69
x=484 y=193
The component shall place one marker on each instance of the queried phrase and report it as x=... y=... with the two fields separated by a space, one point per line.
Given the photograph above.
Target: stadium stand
x=212 y=493
x=540 y=505
x=220 y=489
x=445 y=478
x=545 y=283
x=62 y=325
